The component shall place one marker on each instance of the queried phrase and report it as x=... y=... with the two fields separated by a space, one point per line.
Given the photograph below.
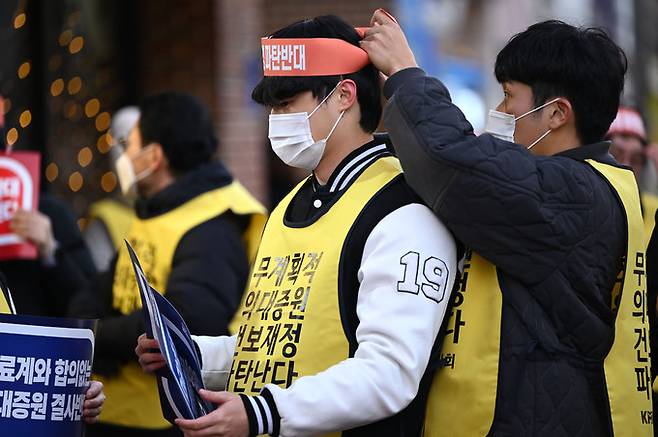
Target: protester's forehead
x=274 y=90
x=297 y=98
x=516 y=88
x=301 y=95
x=511 y=84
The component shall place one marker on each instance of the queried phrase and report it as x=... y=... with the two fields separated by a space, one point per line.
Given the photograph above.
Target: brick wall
x=175 y=47
x=198 y=47
x=280 y=13
x=242 y=124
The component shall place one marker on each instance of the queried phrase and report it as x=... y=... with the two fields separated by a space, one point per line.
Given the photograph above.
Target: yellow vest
x=132 y=396
x=462 y=398
x=649 y=207
x=5 y=308
x=291 y=323
x=116 y=217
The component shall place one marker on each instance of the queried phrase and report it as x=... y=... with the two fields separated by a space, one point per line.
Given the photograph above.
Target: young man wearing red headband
x=353 y=274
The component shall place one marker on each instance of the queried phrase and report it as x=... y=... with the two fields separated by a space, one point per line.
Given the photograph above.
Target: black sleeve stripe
x=251 y=415
x=271 y=405
x=262 y=414
x=260 y=403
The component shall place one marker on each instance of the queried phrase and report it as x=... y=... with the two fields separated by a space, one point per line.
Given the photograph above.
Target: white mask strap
x=143 y=173
x=335 y=124
x=143 y=151
x=538 y=140
x=537 y=109
x=325 y=99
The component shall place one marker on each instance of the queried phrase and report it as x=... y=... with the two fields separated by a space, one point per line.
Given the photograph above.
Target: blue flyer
x=45 y=366
x=180 y=380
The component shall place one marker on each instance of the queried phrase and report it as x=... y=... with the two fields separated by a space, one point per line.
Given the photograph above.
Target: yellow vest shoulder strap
x=232 y=197
x=6 y=306
x=116 y=217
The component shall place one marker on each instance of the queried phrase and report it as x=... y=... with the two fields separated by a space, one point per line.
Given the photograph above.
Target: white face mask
x=292 y=141
x=126 y=173
x=502 y=125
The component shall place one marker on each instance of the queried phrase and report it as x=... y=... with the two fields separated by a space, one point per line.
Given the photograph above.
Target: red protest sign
x=19 y=189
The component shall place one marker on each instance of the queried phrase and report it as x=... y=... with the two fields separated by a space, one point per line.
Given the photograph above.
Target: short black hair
x=182 y=125
x=271 y=91
x=582 y=64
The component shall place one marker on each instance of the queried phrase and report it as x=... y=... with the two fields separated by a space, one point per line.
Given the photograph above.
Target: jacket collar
x=351 y=166
x=597 y=151
x=186 y=187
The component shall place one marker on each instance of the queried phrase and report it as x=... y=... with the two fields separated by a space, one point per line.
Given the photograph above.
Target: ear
x=561 y=113
x=347 y=94
x=157 y=156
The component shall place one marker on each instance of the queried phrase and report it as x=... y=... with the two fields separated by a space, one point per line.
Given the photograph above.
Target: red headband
x=311 y=56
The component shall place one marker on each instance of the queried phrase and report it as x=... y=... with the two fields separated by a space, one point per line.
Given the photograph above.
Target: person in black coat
x=170 y=166
x=552 y=225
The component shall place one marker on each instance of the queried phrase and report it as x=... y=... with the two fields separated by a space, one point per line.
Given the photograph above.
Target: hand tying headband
x=312 y=56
